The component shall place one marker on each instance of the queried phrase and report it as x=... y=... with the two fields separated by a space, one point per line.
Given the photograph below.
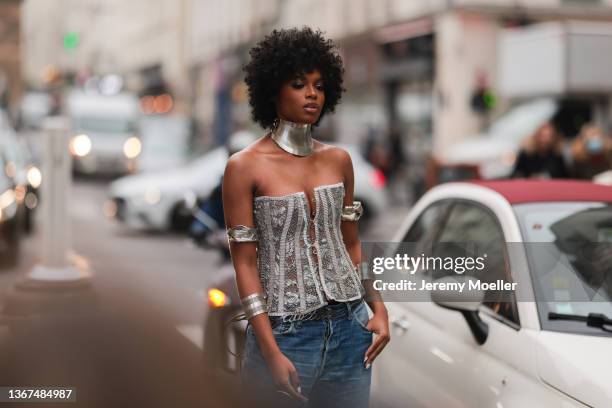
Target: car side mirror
x=454 y=293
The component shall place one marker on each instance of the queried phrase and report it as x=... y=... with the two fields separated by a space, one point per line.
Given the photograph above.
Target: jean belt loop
x=349 y=310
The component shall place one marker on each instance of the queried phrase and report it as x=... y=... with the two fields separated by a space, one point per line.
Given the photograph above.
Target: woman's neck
x=294 y=138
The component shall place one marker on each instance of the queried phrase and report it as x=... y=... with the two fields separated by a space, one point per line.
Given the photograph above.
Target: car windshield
x=569 y=250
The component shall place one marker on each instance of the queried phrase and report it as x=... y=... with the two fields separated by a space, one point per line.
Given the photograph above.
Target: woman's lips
x=311 y=108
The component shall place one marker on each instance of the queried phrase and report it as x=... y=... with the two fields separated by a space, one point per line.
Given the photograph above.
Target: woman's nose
x=311 y=92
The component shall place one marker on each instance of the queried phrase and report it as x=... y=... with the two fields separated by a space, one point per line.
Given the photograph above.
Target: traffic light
x=71 y=41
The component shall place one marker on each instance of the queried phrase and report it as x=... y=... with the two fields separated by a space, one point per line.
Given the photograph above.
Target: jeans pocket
x=280 y=326
x=360 y=315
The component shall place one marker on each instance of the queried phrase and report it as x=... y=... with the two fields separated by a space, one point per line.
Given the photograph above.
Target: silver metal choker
x=294 y=138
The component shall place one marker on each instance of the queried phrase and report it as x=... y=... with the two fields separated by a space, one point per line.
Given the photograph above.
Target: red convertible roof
x=529 y=191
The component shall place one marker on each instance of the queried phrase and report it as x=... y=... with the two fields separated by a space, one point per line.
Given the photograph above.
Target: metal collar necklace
x=294 y=138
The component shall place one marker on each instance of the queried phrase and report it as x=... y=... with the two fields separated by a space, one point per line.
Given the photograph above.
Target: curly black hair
x=281 y=56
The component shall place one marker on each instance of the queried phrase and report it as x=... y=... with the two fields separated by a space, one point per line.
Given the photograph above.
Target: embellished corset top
x=302 y=261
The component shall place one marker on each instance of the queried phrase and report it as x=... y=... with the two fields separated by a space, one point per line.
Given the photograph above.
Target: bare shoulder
x=336 y=154
x=246 y=159
x=240 y=164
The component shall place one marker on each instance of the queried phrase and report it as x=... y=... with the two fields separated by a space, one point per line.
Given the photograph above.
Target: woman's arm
x=237 y=194
x=379 y=323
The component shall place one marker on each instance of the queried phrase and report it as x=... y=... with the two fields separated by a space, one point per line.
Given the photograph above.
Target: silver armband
x=352 y=212
x=242 y=233
x=253 y=305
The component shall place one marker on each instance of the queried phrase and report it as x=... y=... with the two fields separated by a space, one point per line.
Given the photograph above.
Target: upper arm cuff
x=242 y=233
x=352 y=212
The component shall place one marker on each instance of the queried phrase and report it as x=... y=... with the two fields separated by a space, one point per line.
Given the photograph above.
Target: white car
x=555 y=351
x=155 y=200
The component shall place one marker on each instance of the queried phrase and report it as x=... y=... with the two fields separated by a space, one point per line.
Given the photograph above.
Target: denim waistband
x=337 y=310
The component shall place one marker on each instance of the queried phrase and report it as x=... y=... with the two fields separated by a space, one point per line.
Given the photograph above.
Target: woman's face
x=301 y=99
x=546 y=137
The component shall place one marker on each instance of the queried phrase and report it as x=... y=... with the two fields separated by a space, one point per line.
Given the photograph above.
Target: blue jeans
x=327 y=353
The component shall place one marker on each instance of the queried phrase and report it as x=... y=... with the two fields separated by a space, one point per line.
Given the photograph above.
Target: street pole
x=56 y=189
x=56 y=286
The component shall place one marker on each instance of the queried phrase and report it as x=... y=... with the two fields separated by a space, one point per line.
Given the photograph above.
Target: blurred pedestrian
x=541 y=155
x=591 y=152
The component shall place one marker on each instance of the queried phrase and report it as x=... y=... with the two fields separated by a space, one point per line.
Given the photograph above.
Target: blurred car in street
x=156 y=200
x=491 y=155
x=166 y=141
x=546 y=345
x=104 y=132
x=22 y=168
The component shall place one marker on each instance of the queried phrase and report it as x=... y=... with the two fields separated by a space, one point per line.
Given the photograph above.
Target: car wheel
x=13 y=239
x=180 y=218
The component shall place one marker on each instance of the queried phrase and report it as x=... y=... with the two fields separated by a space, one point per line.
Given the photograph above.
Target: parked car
x=543 y=347
x=10 y=211
x=166 y=141
x=155 y=200
x=22 y=168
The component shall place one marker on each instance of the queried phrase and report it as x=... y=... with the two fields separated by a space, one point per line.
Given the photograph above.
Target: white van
x=104 y=132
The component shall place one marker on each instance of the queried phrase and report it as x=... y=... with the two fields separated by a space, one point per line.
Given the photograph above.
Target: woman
x=291 y=219
x=541 y=155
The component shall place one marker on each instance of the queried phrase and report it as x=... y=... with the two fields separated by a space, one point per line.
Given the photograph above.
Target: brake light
x=216 y=298
x=378 y=179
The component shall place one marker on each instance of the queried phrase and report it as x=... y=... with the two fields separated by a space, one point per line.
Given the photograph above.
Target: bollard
x=56 y=186
x=58 y=285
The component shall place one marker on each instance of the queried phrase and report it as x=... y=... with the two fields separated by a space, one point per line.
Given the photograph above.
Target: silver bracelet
x=352 y=212
x=254 y=304
x=242 y=233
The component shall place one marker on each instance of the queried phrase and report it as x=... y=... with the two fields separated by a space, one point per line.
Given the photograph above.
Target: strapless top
x=303 y=262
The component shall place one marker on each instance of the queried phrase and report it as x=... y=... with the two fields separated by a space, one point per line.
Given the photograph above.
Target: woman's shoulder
x=247 y=156
x=333 y=152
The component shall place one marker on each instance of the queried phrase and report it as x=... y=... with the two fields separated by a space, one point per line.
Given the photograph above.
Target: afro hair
x=283 y=55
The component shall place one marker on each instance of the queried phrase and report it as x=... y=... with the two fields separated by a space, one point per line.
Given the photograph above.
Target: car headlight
x=217 y=298
x=34 y=176
x=132 y=147
x=80 y=145
x=8 y=206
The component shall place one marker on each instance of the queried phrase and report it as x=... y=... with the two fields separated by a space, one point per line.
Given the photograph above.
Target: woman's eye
x=297 y=85
x=320 y=87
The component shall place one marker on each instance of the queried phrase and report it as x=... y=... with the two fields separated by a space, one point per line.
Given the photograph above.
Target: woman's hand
x=379 y=324
x=285 y=375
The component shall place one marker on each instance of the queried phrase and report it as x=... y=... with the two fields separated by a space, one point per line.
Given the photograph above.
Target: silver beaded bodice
x=302 y=261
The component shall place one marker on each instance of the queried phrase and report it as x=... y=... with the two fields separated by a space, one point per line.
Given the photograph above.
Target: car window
x=423 y=229
x=471 y=223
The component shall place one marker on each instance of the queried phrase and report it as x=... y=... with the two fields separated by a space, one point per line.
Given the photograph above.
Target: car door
x=419 y=367
x=433 y=359
x=497 y=373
